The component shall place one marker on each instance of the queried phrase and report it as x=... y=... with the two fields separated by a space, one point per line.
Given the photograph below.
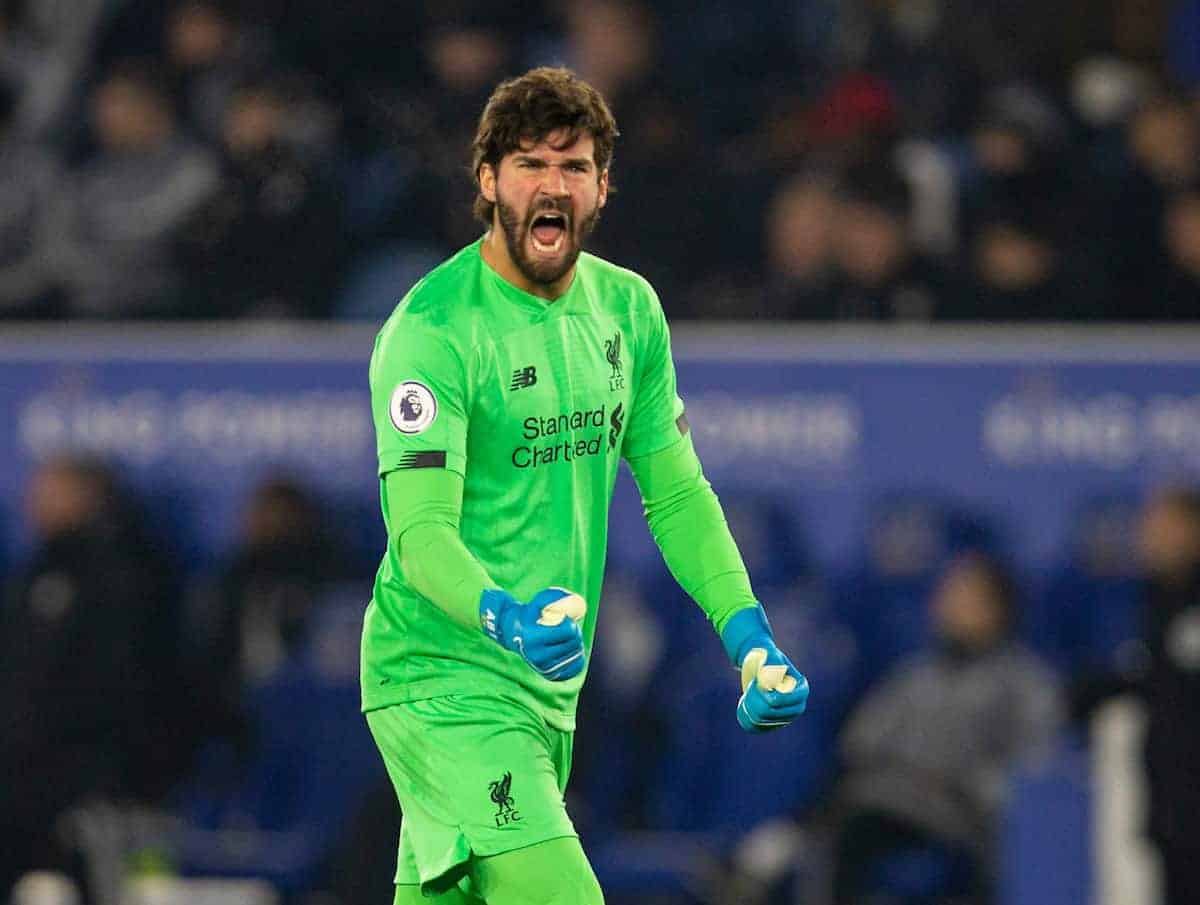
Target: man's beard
x=543 y=273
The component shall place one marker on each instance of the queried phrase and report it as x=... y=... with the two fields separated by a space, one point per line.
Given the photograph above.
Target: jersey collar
x=528 y=299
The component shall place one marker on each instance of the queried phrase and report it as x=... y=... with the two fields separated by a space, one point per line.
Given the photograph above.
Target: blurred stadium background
x=210 y=205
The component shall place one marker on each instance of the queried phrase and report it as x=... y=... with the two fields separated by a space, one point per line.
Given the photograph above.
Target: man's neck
x=495 y=253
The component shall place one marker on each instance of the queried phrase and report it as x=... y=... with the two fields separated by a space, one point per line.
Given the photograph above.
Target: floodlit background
x=978 y=536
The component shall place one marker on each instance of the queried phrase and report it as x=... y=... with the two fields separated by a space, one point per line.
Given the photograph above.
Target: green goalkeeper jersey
x=533 y=403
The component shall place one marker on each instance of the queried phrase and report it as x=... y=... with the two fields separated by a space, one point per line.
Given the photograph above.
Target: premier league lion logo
x=413 y=407
x=410 y=406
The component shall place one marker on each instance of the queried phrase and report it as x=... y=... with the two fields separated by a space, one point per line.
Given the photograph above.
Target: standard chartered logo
x=556 y=438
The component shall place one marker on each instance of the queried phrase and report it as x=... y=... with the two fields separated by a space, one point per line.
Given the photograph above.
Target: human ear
x=487 y=182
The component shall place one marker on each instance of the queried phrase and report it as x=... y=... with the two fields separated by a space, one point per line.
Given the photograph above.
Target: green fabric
x=555 y=872
x=689 y=527
x=532 y=404
x=424 y=508
x=476 y=775
x=412 y=895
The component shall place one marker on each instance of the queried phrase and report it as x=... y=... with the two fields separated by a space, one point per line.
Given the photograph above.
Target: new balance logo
x=431 y=459
x=523 y=377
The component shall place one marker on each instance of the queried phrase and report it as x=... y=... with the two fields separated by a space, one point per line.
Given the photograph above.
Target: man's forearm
x=686 y=520
x=438 y=566
x=425 y=507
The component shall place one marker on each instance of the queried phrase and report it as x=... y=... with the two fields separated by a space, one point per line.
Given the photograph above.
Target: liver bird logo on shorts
x=506 y=810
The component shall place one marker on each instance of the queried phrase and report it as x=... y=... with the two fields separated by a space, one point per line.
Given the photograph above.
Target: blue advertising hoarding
x=1025 y=425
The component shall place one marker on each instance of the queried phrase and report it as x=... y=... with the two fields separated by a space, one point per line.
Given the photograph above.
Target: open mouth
x=548 y=231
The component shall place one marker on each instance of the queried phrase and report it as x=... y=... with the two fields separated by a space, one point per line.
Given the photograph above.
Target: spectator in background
x=1165 y=674
x=1179 y=296
x=1024 y=240
x=799 y=247
x=121 y=215
x=1015 y=154
x=88 y=646
x=409 y=120
x=913 y=47
x=927 y=751
x=1169 y=546
x=29 y=177
x=879 y=275
x=615 y=46
x=1163 y=148
x=268 y=242
x=45 y=52
x=463 y=60
x=1019 y=272
x=612 y=45
x=210 y=54
x=244 y=627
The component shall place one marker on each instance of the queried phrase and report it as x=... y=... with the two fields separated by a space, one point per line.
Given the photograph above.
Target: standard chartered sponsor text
x=537 y=427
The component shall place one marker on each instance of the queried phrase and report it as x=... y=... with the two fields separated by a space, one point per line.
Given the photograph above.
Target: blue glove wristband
x=494 y=611
x=745 y=630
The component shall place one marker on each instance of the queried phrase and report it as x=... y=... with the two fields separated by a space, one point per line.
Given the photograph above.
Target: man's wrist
x=746 y=629
x=493 y=604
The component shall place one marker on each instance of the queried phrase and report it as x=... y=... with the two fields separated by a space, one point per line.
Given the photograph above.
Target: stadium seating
x=1045 y=846
x=280 y=815
x=1088 y=608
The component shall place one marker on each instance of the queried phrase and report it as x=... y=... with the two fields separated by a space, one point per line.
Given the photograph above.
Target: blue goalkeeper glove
x=774 y=692
x=545 y=631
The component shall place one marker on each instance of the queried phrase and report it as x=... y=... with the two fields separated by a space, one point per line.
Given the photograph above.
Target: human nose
x=554 y=183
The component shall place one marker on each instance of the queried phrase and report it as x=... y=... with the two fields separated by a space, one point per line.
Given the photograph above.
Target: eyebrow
x=570 y=161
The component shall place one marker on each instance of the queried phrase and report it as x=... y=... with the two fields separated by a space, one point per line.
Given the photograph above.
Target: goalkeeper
x=505 y=389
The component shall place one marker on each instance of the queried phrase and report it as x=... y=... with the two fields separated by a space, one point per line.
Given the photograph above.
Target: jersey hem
x=379 y=698
x=508 y=849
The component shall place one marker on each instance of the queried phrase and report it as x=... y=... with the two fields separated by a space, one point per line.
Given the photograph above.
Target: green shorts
x=475 y=775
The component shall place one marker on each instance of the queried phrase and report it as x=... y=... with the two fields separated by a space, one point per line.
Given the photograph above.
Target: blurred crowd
x=221 y=699
x=789 y=159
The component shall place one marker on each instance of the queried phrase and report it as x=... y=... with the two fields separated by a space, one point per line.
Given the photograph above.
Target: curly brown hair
x=530 y=107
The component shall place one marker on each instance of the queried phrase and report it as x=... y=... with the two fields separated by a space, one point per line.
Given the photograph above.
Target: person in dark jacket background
x=1161 y=667
x=1169 y=542
x=87 y=644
